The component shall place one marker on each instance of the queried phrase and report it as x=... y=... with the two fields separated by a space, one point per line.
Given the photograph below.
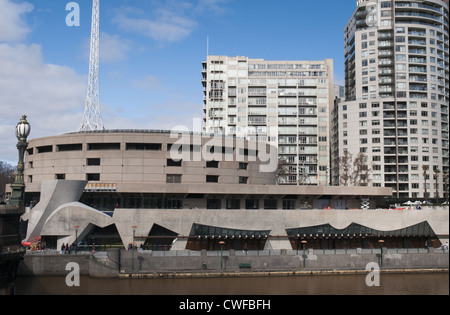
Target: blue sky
x=151 y=54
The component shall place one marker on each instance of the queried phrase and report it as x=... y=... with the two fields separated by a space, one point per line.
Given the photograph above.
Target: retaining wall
x=107 y=265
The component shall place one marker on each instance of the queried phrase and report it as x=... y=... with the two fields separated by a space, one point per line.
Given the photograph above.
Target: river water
x=390 y=284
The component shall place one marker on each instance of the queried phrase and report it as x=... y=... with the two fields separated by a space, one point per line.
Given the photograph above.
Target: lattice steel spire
x=92 y=119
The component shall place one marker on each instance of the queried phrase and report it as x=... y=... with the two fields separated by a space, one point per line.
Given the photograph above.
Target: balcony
x=418 y=69
x=417 y=60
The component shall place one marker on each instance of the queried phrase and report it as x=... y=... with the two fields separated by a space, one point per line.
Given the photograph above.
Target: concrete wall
x=148 y=262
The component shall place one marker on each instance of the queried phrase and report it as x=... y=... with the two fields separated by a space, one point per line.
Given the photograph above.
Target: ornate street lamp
x=23 y=130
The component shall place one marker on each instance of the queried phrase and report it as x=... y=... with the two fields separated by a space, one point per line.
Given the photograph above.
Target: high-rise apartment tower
x=396 y=103
x=286 y=103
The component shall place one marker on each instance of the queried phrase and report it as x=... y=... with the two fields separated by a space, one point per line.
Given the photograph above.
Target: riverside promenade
x=115 y=263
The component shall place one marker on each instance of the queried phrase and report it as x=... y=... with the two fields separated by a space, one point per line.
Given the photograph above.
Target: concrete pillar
x=180 y=244
x=278 y=244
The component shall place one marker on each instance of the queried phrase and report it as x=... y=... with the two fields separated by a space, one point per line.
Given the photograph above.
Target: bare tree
x=6 y=177
x=445 y=179
x=281 y=169
x=436 y=178
x=361 y=170
x=345 y=163
x=425 y=170
x=354 y=172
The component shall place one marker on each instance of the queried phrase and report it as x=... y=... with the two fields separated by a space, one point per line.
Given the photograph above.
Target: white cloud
x=12 y=27
x=168 y=20
x=167 y=26
x=214 y=6
x=149 y=82
x=51 y=96
x=113 y=48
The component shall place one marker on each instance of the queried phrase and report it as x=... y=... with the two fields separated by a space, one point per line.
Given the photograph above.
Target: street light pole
x=23 y=130
x=381 y=242
x=132 y=247
x=221 y=243
x=76 y=238
x=304 y=255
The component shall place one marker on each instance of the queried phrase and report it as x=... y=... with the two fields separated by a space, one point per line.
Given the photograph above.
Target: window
x=270 y=204
x=103 y=146
x=212 y=178
x=93 y=177
x=213 y=204
x=60 y=176
x=243 y=180
x=233 y=204
x=252 y=204
x=243 y=166
x=69 y=147
x=44 y=149
x=288 y=204
x=173 y=178
x=175 y=163
x=93 y=161
x=212 y=164
x=144 y=146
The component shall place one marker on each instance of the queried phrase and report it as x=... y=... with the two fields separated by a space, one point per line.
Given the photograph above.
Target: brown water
x=390 y=284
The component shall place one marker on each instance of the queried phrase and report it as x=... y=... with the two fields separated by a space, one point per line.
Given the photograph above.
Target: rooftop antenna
x=92 y=119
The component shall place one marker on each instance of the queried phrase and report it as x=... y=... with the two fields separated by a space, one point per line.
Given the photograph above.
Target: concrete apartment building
x=396 y=103
x=285 y=103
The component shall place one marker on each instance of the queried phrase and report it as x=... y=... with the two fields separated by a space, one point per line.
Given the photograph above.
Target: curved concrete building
x=146 y=156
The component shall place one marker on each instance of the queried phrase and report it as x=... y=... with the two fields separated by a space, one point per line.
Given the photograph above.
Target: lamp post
x=304 y=255
x=221 y=243
x=381 y=242
x=23 y=130
x=76 y=238
x=132 y=247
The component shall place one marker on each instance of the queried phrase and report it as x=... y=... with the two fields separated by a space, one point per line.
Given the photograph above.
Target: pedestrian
x=63 y=249
x=68 y=248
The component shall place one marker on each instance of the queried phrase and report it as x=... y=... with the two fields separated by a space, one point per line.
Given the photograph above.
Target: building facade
x=284 y=103
x=179 y=190
x=395 y=112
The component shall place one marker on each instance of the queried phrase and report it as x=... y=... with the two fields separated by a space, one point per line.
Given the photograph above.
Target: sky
x=151 y=54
